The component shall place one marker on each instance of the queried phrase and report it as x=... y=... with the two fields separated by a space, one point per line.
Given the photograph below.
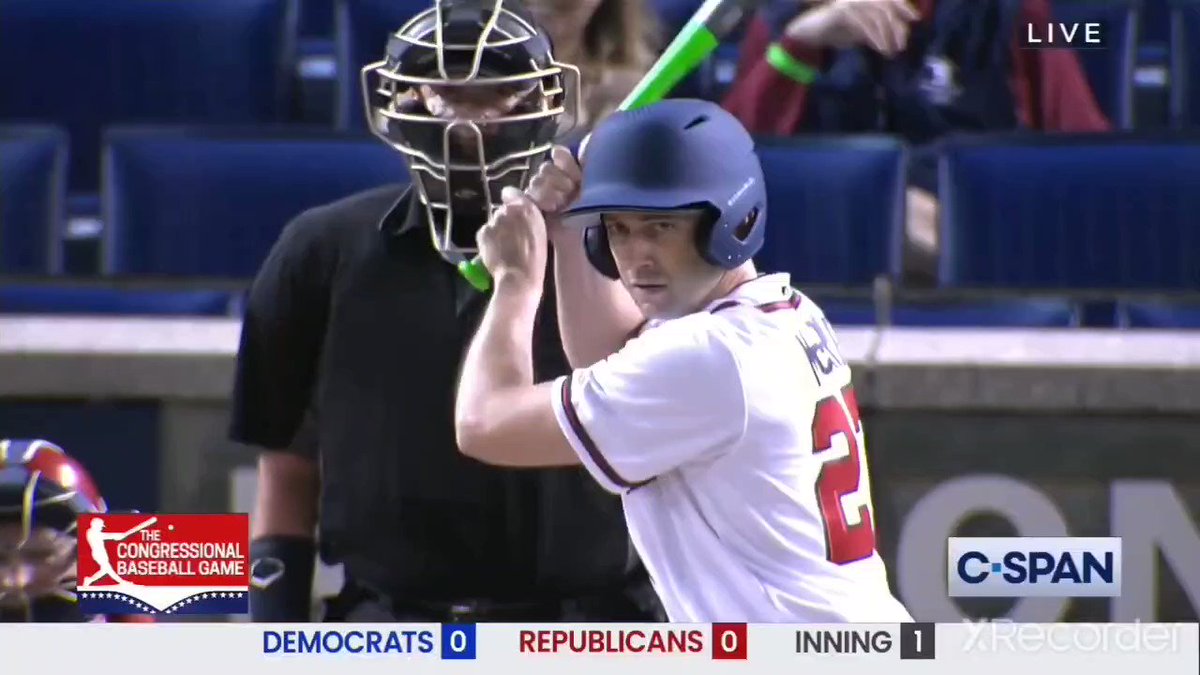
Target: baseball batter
x=728 y=422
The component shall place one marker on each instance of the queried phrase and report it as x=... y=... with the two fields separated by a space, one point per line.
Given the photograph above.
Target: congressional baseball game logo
x=168 y=564
x=1022 y=567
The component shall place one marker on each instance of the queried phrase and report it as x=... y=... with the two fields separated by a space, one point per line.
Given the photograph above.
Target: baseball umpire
x=351 y=348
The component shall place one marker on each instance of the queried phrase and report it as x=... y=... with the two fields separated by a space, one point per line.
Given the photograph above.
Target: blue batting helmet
x=675 y=154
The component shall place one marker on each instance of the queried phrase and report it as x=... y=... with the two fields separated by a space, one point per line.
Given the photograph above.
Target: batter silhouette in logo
x=96 y=536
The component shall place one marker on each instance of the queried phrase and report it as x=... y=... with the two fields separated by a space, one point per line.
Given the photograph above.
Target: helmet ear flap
x=728 y=243
x=705 y=233
x=595 y=244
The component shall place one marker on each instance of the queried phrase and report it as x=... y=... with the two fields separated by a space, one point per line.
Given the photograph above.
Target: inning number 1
x=917 y=641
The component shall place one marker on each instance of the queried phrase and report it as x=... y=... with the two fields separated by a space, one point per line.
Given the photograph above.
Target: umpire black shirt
x=350 y=353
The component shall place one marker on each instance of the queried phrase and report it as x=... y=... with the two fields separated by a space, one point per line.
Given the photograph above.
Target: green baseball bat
x=698 y=38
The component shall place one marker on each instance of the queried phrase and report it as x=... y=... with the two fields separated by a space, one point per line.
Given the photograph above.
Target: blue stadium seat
x=316 y=64
x=1109 y=70
x=362 y=30
x=96 y=300
x=317 y=68
x=1185 y=63
x=834 y=207
x=204 y=203
x=316 y=18
x=672 y=14
x=1001 y=313
x=86 y=65
x=1078 y=211
x=33 y=180
x=1161 y=314
x=1155 y=21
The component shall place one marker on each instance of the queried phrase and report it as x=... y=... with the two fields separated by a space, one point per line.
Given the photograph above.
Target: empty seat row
x=85 y=66
x=92 y=298
x=1016 y=211
x=1117 y=212
x=1017 y=312
x=88 y=65
x=95 y=299
x=181 y=202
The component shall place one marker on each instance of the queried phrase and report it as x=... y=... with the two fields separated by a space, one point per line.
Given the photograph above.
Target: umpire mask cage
x=489 y=52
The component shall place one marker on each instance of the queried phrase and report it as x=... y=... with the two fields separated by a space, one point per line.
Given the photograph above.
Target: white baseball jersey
x=734 y=438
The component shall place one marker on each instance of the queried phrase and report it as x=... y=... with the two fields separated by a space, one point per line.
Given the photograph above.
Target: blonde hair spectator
x=612 y=42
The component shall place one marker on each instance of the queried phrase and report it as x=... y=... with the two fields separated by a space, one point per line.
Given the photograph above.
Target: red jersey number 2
x=841 y=495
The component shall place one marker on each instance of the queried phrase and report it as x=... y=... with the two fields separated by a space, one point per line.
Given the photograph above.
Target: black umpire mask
x=471 y=94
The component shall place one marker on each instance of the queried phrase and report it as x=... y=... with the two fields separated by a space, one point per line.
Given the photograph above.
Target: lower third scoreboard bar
x=582 y=649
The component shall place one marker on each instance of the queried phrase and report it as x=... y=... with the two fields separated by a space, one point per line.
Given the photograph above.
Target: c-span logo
x=1022 y=567
x=169 y=564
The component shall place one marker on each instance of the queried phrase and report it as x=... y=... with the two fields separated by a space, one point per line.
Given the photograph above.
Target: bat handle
x=474 y=271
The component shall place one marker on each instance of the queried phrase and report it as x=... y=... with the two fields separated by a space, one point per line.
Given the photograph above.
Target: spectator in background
x=920 y=69
x=612 y=42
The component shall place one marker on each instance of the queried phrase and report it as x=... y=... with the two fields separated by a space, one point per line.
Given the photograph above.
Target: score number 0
x=729 y=641
x=458 y=641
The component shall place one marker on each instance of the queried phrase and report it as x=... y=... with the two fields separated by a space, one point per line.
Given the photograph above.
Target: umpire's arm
x=281 y=339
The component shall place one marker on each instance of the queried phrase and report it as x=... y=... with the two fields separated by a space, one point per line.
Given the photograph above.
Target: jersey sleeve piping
x=585 y=446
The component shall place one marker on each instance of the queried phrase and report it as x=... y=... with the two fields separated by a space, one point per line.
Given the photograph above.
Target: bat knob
x=475 y=274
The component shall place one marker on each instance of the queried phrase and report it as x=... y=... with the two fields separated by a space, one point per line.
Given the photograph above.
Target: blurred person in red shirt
x=920 y=69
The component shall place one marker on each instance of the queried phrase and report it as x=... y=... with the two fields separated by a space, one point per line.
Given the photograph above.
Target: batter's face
x=659 y=265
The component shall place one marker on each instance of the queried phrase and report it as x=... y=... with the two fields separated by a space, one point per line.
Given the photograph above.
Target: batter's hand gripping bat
x=699 y=37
